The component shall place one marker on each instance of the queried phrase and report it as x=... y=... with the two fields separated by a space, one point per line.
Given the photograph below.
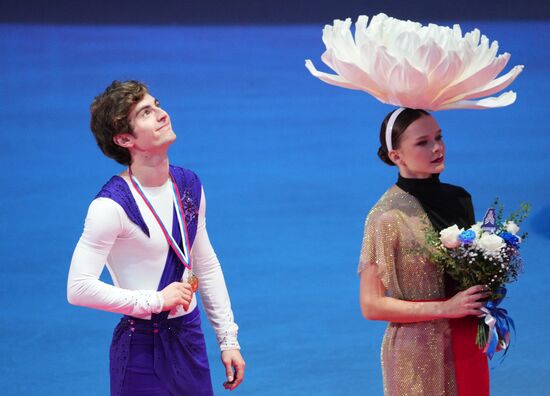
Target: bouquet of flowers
x=485 y=254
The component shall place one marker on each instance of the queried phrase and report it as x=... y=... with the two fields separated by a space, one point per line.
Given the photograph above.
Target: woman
x=426 y=349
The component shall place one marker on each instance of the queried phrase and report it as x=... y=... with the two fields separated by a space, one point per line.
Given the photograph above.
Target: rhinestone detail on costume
x=416 y=357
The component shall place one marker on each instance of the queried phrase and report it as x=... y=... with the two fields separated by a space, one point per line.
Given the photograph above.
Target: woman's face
x=421 y=151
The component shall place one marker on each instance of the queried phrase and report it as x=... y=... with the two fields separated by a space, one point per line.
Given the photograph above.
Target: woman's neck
x=407 y=174
x=429 y=177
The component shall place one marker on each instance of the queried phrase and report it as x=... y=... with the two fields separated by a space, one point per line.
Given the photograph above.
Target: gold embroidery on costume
x=417 y=357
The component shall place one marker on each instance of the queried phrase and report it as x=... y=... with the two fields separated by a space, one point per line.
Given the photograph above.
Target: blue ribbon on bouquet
x=499 y=324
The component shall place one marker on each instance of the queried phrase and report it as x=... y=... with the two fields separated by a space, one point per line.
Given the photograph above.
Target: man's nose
x=161 y=114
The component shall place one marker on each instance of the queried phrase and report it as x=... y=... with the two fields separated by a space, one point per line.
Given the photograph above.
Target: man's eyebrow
x=146 y=106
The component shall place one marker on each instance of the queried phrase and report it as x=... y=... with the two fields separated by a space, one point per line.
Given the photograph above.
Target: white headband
x=389 y=127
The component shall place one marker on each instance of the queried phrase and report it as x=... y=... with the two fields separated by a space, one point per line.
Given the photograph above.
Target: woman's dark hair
x=109 y=116
x=406 y=118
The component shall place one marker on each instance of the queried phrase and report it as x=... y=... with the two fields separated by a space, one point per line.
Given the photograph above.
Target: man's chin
x=171 y=138
x=165 y=144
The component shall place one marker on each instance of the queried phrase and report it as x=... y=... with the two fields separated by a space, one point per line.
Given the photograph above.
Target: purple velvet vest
x=188 y=184
x=180 y=360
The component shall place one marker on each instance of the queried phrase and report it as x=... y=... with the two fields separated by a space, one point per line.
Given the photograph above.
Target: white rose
x=512 y=227
x=491 y=242
x=449 y=236
x=477 y=229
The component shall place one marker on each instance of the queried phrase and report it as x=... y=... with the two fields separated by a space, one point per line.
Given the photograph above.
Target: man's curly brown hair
x=109 y=116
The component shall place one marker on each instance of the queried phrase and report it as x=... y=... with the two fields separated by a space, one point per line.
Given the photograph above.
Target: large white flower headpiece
x=423 y=67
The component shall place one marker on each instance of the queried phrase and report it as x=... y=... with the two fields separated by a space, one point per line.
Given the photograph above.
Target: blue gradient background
x=290 y=171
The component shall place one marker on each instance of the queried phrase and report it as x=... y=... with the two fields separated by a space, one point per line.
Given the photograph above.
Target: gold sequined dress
x=417 y=358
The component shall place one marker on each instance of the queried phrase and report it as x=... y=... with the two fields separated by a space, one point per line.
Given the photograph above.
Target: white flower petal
x=361 y=30
x=512 y=227
x=408 y=84
x=480 y=78
x=383 y=64
x=506 y=99
x=351 y=72
x=332 y=79
x=407 y=64
x=428 y=57
x=496 y=85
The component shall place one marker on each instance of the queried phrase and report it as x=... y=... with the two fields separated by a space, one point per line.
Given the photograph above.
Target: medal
x=184 y=255
x=193 y=281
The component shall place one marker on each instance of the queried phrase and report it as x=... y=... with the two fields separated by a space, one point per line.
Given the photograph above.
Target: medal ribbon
x=184 y=255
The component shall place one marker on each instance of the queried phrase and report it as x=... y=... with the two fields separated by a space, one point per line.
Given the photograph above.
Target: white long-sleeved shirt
x=136 y=262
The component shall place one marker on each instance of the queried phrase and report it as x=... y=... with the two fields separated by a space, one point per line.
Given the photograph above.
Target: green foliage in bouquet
x=484 y=256
x=479 y=257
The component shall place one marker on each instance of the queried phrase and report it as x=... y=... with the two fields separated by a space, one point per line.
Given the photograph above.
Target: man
x=148 y=225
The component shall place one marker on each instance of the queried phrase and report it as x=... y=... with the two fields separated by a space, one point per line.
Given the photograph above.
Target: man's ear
x=123 y=140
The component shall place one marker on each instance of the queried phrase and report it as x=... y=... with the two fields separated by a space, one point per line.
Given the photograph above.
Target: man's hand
x=177 y=293
x=234 y=368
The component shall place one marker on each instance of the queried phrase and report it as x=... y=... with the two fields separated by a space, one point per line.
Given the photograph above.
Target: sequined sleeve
x=380 y=240
x=213 y=290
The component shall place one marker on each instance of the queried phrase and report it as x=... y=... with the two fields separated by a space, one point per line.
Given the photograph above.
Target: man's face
x=152 y=130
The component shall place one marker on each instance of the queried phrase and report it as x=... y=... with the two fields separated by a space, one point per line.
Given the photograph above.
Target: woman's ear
x=394 y=156
x=123 y=140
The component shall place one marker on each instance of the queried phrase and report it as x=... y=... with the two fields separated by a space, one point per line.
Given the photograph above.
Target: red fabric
x=471 y=366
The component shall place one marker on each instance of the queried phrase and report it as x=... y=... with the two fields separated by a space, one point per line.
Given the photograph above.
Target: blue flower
x=467 y=237
x=510 y=239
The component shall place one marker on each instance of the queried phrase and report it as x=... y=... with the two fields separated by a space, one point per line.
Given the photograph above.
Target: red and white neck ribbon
x=183 y=255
